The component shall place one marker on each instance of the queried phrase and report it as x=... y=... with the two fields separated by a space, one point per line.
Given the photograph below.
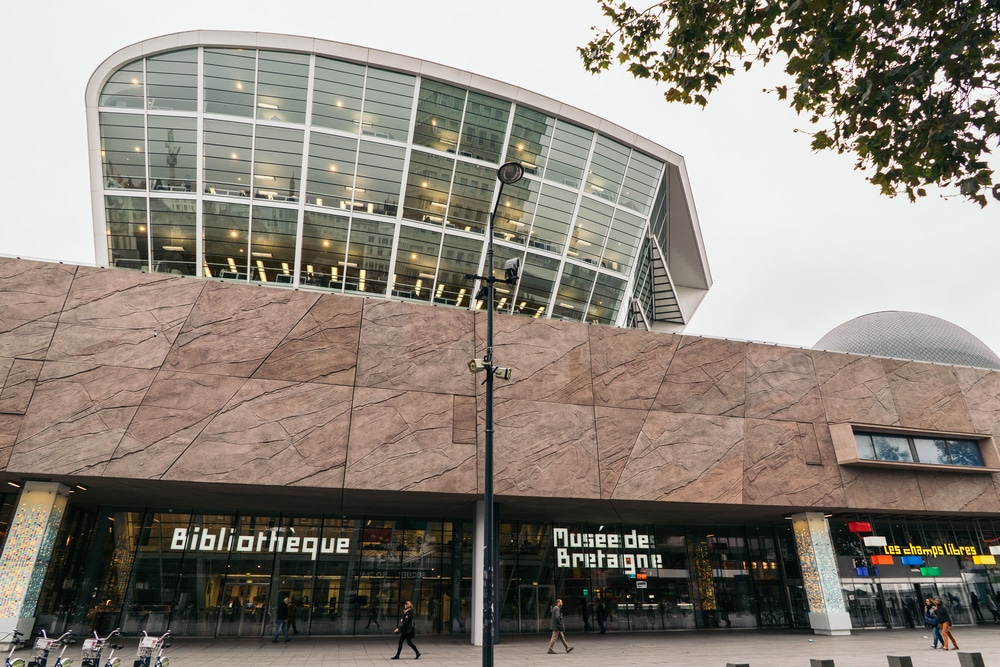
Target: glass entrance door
x=243 y=609
x=533 y=606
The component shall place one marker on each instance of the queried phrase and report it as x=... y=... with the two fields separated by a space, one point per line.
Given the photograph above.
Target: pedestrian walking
x=974 y=603
x=558 y=628
x=944 y=624
x=405 y=629
x=282 y=625
x=602 y=616
x=992 y=606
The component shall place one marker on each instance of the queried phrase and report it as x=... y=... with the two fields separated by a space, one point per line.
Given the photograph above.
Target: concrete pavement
x=705 y=648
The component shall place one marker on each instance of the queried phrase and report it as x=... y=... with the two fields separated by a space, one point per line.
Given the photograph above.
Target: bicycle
x=150 y=650
x=14 y=639
x=43 y=647
x=94 y=646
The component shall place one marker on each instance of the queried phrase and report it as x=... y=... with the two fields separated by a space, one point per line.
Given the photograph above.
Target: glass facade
x=303 y=170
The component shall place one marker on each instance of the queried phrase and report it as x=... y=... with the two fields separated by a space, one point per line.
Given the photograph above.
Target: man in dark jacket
x=282 y=625
x=558 y=628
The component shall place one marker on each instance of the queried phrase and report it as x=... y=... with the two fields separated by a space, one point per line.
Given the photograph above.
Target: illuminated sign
x=605 y=551
x=269 y=541
x=936 y=550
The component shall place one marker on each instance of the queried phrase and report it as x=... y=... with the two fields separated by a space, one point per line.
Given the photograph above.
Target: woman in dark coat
x=406 y=630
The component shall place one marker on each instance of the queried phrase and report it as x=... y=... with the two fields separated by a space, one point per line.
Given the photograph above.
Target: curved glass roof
x=308 y=168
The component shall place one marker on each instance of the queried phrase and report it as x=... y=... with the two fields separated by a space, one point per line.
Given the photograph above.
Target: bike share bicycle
x=44 y=646
x=14 y=639
x=94 y=646
x=150 y=652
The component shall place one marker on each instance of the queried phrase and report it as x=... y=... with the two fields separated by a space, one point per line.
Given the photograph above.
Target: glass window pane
x=471 y=196
x=568 y=155
x=439 y=116
x=172 y=81
x=484 y=127
x=331 y=170
x=229 y=81
x=459 y=257
x=965 y=453
x=516 y=210
x=607 y=297
x=891 y=448
x=128 y=238
x=368 y=256
x=337 y=91
x=607 y=169
x=227 y=158
x=324 y=247
x=625 y=235
x=172 y=236
x=282 y=81
x=416 y=263
x=226 y=228
x=123 y=150
x=574 y=293
x=641 y=177
x=277 y=164
x=272 y=243
x=590 y=230
x=530 y=137
x=932 y=451
x=124 y=88
x=534 y=290
x=427 y=187
x=380 y=178
x=552 y=219
x=388 y=103
x=173 y=153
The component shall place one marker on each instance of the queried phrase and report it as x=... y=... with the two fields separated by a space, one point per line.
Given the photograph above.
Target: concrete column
x=820 y=578
x=26 y=554
x=478 y=569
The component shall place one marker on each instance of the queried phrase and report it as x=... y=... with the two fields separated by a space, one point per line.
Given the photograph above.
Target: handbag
x=930 y=619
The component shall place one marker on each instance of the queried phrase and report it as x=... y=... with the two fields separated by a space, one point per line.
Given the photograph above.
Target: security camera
x=511 y=269
x=477 y=365
x=502 y=373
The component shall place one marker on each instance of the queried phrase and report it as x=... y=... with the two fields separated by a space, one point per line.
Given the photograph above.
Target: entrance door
x=534 y=604
x=243 y=609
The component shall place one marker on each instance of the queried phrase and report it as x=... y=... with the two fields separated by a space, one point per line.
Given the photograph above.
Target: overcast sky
x=797 y=242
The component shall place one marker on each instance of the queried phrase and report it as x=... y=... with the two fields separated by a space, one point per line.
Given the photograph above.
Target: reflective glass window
x=277 y=164
x=230 y=77
x=227 y=158
x=534 y=290
x=416 y=263
x=331 y=170
x=568 y=155
x=589 y=231
x=282 y=82
x=172 y=236
x=607 y=296
x=127 y=231
x=173 y=154
x=388 y=105
x=573 y=293
x=123 y=151
x=607 y=169
x=530 y=137
x=272 y=242
x=891 y=448
x=369 y=255
x=337 y=92
x=471 y=196
x=324 y=248
x=427 y=187
x=623 y=242
x=866 y=449
x=226 y=229
x=965 y=453
x=459 y=257
x=552 y=219
x=932 y=450
x=641 y=177
x=516 y=210
x=439 y=116
x=379 y=179
x=172 y=81
x=484 y=127
x=124 y=88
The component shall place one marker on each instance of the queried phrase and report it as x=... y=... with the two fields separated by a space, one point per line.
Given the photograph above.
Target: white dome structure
x=906 y=335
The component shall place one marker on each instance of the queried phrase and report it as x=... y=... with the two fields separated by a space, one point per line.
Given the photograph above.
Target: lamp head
x=510 y=172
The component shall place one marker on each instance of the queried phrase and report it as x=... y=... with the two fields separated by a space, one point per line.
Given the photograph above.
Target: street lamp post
x=508 y=173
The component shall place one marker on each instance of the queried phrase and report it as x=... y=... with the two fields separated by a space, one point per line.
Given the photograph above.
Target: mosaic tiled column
x=820 y=578
x=27 y=551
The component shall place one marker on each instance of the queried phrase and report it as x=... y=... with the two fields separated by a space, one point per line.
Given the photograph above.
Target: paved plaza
x=867 y=648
